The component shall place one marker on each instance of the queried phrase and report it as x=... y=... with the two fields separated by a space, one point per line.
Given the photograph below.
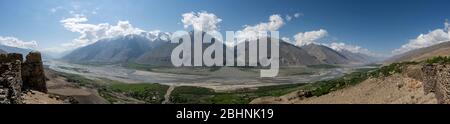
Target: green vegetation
x=199 y=95
x=74 y=69
x=391 y=69
x=324 y=87
x=293 y=71
x=323 y=66
x=115 y=91
x=139 y=66
x=77 y=79
x=147 y=92
x=439 y=59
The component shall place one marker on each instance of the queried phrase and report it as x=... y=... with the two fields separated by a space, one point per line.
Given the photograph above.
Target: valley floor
x=220 y=79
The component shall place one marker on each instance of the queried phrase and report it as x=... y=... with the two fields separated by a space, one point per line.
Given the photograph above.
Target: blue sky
x=378 y=25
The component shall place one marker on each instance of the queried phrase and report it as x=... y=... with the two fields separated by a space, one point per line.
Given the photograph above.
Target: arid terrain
x=59 y=85
x=396 y=89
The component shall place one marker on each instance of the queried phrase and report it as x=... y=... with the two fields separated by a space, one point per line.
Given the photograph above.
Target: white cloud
x=251 y=32
x=286 y=39
x=339 y=46
x=297 y=15
x=91 y=33
x=201 y=21
x=54 y=10
x=94 y=12
x=14 y=42
x=291 y=17
x=312 y=37
x=305 y=38
x=447 y=25
x=288 y=17
x=425 y=40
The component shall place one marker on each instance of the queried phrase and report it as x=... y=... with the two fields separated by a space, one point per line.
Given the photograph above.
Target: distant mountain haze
x=326 y=55
x=10 y=49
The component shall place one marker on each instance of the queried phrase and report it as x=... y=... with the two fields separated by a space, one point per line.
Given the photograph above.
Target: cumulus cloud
x=286 y=39
x=339 y=46
x=250 y=33
x=425 y=40
x=201 y=21
x=296 y=15
x=306 y=38
x=90 y=33
x=15 y=42
x=288 y=17
x=291 y=17
x=54 y=10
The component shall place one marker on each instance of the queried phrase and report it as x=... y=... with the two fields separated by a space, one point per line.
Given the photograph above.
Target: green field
x=199 y=95
x=147 y=92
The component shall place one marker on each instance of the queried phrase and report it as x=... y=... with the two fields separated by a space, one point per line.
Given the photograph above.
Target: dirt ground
x=59 y=86
x=35 y=97
x=396 y=89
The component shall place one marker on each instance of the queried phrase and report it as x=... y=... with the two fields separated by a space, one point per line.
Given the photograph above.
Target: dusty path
x=167 y=96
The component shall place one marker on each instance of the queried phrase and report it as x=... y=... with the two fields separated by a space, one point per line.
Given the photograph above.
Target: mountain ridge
x=441 y=49
x=157 y=51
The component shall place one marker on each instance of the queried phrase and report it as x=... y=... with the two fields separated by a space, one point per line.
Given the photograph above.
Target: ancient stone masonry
x=33 y=73
x=437 y=81
x=16 y=76
x=10 y=78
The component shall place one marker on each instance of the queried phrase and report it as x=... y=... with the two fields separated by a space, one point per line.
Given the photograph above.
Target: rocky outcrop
x=33 y=73
x=16 y=76
x=437 y=80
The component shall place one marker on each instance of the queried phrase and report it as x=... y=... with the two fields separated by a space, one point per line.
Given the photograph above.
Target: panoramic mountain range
x=155 y=49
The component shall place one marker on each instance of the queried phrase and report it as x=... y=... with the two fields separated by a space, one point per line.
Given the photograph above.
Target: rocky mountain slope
x=442 y=49
x=360 y=58
x=117 y=50
x=157 y=51
x=326 y=54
